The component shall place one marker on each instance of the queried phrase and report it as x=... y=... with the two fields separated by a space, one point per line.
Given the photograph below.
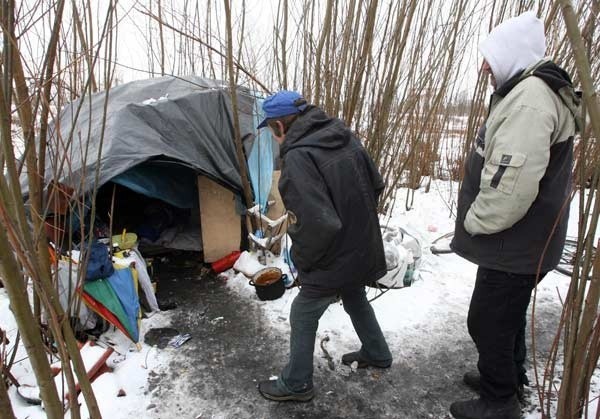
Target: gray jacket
x=515 y=195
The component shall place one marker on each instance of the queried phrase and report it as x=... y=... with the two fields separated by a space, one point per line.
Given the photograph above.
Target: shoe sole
x=365 y=365
x=289 y=398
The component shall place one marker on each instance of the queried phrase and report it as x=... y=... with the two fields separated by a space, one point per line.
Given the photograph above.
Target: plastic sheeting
x=171 y=183
x=190 y=122
x=66 y=286
x=260 y=161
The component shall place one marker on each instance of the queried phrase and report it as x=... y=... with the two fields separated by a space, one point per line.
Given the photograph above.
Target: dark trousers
x=297 y=376
x=497 y=321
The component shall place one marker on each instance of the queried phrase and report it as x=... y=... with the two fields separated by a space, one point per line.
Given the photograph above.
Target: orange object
x=58 y=197
x=225 y=262
x=52 y=253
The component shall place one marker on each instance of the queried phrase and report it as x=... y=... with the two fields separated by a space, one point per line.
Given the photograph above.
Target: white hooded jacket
x=511 y=213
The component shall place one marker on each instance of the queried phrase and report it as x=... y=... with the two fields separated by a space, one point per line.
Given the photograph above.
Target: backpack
x=99 y=264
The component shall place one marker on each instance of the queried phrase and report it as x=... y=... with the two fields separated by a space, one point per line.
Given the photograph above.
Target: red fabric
x=102 y=311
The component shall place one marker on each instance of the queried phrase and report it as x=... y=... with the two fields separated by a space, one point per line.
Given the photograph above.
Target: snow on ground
x=426 y=317
x=431 y=313
x=130 y=372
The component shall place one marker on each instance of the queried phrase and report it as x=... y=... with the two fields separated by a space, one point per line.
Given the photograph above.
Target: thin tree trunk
x=5 y=405
x=19 y=304
x=324 y=34
x=590 y=96
x=161 y=39
x=284 y=66
x=84 y=46
x=356 y=84
x=572 y=397
x=236 y=123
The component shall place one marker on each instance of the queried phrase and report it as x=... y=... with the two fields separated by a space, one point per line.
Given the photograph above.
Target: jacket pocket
x=503 y=170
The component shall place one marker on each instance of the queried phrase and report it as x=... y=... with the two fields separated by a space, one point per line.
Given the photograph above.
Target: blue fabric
x=99 y=265
x=122 y=283
x=282 y=103
x=172 y=183
x=260 y=162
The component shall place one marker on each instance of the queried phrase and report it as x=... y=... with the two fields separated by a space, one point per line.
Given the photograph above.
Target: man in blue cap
x=330 y=187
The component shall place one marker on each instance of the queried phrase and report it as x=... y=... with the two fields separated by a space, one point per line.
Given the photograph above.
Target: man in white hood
x=511 y=216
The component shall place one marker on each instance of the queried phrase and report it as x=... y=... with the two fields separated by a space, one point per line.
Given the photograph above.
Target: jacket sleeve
x=374 y=175
x=512 y=170
x=317 y=223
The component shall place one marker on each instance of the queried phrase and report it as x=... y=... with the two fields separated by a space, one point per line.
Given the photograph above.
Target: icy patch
x=153 y=101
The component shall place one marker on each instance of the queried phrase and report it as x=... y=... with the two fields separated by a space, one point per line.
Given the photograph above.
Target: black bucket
x=269 y=283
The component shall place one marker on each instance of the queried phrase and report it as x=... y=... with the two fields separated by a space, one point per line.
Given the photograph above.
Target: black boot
x=486 y=409
x=349 y=358
x=270 y=390
x=473 y=380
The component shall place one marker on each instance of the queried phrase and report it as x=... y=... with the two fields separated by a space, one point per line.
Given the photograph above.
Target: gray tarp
x=188 y=119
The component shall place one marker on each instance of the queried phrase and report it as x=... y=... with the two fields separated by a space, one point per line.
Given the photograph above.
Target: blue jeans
x=297 y=376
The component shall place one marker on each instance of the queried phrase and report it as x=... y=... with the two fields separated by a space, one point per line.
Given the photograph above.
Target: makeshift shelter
x=168 y=140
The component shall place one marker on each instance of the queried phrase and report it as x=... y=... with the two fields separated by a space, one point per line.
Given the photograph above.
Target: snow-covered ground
x=426 y=317
x=420 y=318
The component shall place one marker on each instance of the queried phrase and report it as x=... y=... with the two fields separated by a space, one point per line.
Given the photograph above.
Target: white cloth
x=514 y=45
x=66 y=286
x=248 y=264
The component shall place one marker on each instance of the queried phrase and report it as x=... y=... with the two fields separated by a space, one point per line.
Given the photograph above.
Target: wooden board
x=221 y=225
x=277 y=210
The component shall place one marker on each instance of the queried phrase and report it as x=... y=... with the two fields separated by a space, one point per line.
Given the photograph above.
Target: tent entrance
x=158 y=202
x=170 y=207
x=160 y=226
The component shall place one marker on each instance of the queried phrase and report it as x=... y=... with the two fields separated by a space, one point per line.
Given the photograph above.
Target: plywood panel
x=221 y=228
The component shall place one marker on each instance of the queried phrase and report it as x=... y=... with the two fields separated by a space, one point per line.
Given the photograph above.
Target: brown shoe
x=270 y=390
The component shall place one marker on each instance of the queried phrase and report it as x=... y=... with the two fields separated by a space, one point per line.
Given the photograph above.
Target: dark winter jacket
x=515 y=194
x=330 y=186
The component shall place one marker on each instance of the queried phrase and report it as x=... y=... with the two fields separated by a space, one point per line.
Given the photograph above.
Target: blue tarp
x=260 y=161
x=170 y=182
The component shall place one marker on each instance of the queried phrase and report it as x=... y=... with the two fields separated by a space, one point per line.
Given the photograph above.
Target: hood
x=555 y=77
x=560 y=82
x=514 y=45
x=314 y=128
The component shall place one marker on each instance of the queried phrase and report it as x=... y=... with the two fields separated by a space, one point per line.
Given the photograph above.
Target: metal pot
x=269 y=283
